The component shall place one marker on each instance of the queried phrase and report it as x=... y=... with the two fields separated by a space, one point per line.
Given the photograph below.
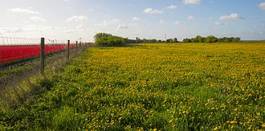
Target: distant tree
x=104 y=39
x=194 y=40
x=153 y=41
x=211 y=39
x=175 y=40
x=229 y=39
x=221 y=40
x=236 y=39
x=200 y=39
x=197 y=39
x=226 y=39
x=169 y=40
x=187 y=40
x=101 y=35
x=138 y=40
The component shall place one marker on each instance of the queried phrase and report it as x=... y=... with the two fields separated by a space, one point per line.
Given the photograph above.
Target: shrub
x=104 y=39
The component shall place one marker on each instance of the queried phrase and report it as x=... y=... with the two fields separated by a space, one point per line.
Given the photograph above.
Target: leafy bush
x=104 y=39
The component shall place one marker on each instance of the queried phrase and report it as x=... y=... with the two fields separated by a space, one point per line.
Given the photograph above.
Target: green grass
x=14 y=70
x=165 y=87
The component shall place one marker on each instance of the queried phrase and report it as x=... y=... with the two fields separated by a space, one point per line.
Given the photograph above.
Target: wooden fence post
x=76 y=44
x=42 y=55
x=68 y=50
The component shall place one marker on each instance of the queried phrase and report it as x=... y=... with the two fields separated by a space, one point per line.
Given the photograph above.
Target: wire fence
x=23 y=57
x=13 y=50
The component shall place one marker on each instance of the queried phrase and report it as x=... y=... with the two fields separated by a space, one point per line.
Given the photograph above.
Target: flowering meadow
x=151 y=87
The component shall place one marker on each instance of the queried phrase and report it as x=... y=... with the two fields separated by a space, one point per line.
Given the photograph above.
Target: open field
x=152 y=86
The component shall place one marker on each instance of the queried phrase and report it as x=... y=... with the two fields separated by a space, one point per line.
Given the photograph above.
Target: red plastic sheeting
x=12 y=53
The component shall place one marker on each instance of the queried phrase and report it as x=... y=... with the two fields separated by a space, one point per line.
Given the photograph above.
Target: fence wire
x=17 y=49
x=20 y=57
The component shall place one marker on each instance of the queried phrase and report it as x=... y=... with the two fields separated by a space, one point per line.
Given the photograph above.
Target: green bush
x=103 y=39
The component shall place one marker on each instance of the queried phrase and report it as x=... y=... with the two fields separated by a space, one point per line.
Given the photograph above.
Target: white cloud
x=152 y=11
x=24 y=11
x=190 y=17
x=161 y=21
x=191 y=2
x=37 y=19
x=135 y=19
x=77 y=19
x=172 y=7
x=231 y=17
x=262 y=5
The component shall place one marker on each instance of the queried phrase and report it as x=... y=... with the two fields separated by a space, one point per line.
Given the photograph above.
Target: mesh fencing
x=20 y=57
x=20 y=49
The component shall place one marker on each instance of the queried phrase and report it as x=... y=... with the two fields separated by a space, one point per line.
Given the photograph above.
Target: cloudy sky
x=75 y=19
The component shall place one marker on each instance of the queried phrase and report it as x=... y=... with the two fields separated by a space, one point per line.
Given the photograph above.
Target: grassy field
x=152 y=86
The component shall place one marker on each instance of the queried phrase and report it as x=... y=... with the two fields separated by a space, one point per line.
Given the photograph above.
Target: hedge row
x=104 y=39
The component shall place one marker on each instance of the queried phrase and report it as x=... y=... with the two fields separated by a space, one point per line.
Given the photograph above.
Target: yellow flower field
x=154 y=86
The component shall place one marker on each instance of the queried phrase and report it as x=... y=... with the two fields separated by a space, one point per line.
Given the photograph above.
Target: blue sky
x=75 y=19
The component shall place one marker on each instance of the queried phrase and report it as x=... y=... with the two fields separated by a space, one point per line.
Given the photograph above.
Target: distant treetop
x=105 y=39
x=210 y=39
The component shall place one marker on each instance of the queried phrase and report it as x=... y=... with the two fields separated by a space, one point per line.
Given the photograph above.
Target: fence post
x=76 y=46
x=42 y=55
x=68 y=50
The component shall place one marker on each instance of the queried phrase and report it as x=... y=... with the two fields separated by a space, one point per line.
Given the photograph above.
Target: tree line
x=197 y=39
x=210 y=39
x=105 y=39
x=171 y=40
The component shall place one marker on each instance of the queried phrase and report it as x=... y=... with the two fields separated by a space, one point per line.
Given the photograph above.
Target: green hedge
x=104 y=39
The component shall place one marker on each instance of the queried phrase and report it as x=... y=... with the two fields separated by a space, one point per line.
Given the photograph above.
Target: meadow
x=151 y=86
